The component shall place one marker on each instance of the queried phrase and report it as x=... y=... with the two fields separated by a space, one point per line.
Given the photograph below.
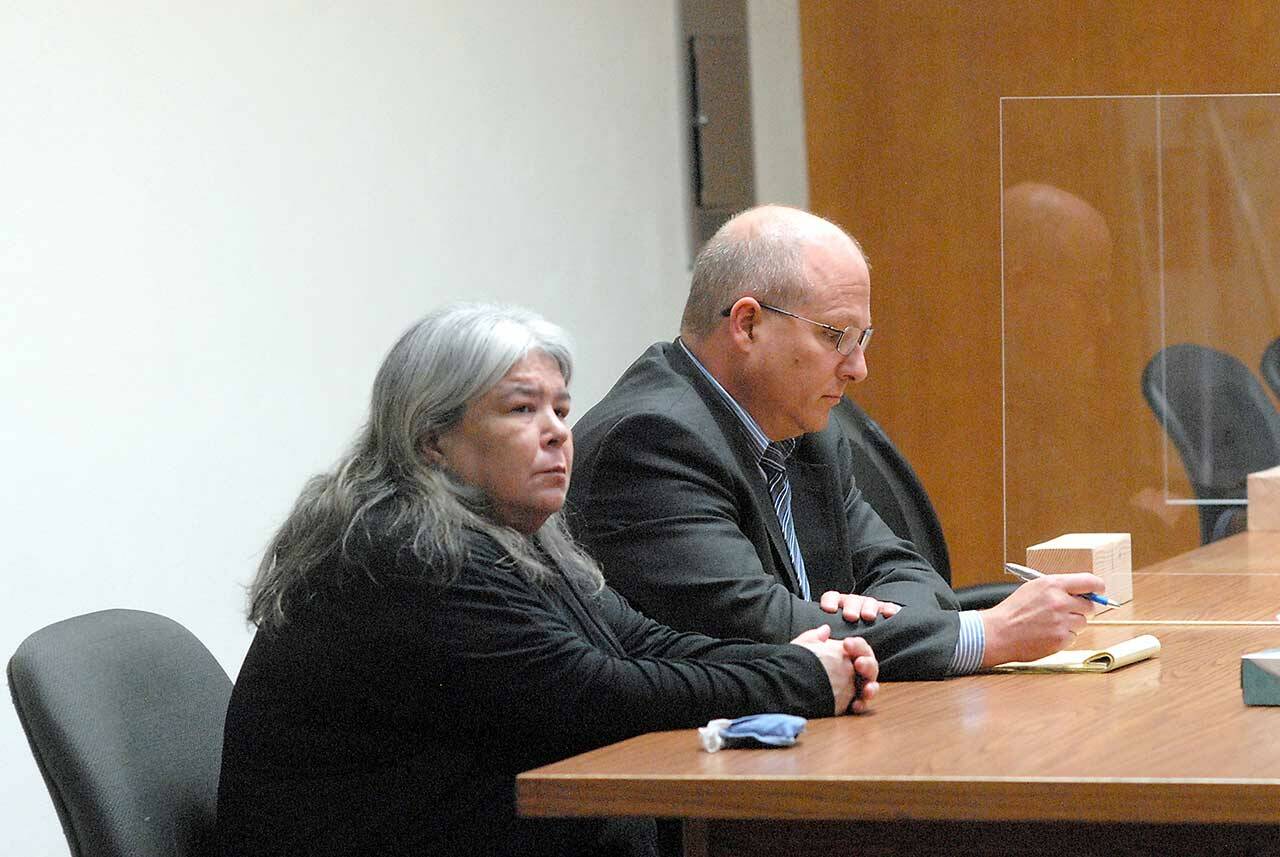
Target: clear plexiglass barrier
x=1140 y=251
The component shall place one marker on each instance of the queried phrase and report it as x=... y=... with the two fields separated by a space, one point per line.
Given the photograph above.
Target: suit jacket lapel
x=813 y=497
x=734 y=438
x=769 y=514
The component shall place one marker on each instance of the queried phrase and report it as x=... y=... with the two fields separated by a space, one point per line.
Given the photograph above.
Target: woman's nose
x=557 y=430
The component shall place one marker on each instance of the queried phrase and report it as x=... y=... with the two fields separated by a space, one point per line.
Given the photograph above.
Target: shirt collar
x=754 y=434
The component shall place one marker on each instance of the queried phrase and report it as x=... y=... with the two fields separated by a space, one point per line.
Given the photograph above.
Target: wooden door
x=921 y=115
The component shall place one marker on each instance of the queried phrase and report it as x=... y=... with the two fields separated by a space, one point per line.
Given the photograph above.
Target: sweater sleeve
x=643 y=637
x=512 y=665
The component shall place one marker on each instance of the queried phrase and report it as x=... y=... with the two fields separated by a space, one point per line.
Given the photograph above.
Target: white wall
x=215 y=217
x=777 y=102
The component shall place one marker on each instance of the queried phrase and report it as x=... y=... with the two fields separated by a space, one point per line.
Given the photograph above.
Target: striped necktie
x=774 y=465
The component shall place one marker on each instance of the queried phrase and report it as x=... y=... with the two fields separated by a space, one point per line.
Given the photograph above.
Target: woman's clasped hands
x=851 y=668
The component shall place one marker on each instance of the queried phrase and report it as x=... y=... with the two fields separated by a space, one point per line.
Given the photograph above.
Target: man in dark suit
x=716 y=498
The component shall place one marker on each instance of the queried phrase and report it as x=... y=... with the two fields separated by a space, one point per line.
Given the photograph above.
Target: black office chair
x=1270 y=366
x=891 y=486
x=1222 y=423
x=124 y=711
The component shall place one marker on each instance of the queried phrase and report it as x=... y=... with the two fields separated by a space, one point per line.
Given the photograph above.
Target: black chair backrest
x=1219 y=418
x=1270 y=366
x=124 y=711
x=891 y=486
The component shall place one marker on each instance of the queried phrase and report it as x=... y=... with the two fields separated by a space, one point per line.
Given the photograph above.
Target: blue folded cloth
x=754 y=730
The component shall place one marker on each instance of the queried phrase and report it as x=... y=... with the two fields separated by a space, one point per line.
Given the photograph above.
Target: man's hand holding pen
x=1040 y=617
x=1024 y=573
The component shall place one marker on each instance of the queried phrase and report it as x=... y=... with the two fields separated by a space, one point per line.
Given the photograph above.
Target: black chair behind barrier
x=1270 y=366
x=124 y=711
x=891 y=486
x=1220 y=420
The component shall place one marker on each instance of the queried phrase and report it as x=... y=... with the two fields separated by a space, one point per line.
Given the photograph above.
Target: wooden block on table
x=1108 y=555
x=1264 y=499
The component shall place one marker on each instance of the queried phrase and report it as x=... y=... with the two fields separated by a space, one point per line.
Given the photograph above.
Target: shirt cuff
x=971 y=645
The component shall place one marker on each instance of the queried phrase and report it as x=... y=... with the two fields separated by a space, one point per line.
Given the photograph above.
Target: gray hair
x=385 y=488
x=768 y=266
x=758 y=253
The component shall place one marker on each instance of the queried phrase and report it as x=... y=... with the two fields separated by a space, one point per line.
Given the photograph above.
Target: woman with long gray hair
x=427 y=628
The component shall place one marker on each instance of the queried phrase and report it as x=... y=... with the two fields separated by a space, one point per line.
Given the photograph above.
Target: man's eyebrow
x=854 y=317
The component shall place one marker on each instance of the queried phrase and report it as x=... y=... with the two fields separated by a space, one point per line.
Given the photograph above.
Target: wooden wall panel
x=903 y=129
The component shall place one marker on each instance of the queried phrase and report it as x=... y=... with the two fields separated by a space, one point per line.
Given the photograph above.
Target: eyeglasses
x=846 y=340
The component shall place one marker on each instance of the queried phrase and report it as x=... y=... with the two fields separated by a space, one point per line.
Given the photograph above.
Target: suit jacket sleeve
x=662 y=509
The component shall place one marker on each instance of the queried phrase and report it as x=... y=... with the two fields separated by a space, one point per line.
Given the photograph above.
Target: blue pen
x=1022 y=572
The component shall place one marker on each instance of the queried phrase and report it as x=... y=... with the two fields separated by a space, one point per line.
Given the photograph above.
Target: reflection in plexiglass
x=1141 y=288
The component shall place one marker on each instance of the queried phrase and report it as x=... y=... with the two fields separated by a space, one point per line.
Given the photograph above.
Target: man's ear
x=744 y=315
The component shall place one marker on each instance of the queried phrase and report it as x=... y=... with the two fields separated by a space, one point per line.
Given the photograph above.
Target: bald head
x=759 y=253
x=1057 y=264
x=782 y=221
x=1049 y=232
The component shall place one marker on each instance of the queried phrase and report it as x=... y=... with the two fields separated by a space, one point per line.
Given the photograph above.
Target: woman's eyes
x=562 y=412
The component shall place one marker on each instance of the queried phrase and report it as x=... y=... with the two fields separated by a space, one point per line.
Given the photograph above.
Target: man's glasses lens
x=853 y=338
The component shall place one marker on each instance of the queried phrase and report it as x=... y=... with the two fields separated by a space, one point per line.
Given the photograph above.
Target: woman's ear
x=432 y=452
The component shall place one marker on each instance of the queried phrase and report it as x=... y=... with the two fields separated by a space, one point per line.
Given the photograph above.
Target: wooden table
x=1244 y=553
x=1160 y=757
x=1232 y=581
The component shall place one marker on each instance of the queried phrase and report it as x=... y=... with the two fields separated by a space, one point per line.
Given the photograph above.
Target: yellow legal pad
x=1088 y=660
